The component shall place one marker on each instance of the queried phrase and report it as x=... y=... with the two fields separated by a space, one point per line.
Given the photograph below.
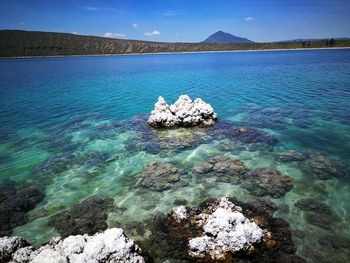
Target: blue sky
x=181 y=20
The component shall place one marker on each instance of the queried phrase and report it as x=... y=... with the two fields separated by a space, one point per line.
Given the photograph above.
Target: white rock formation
x=184 y=112
x=225 y=230
x=179 y=213
x=9 y=245
x=109 y=246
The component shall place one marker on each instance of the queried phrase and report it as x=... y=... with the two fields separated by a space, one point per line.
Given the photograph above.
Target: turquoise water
x=90 y=112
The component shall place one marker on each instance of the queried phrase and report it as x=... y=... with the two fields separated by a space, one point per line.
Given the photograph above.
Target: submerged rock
x=225 y=169
x=7 y=189
x=291 y=156
x=312 y=204
x=13 y=209
x=319 y=167
x=88 y=217
x=220 y=230
x=159 y=176
x=267 y=181
x=250 y=135
x=321 y=220
x=110 y=246
x=184 y=112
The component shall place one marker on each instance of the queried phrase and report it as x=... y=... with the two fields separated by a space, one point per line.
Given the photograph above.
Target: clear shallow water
x=73 y=107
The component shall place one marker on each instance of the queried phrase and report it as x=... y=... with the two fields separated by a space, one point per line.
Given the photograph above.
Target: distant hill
x=222 y=37
x=313 y=39
x=17 y=43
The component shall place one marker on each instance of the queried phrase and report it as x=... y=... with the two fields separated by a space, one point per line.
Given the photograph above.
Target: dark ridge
x=17 y=43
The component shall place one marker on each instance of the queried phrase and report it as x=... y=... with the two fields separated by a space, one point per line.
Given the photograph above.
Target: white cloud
x=153 y=33
x=117 y=35
x=108 y=34
x=21 y=23
x=249 y=19
x=135 y=25
x=97 y=9
x=75 y=33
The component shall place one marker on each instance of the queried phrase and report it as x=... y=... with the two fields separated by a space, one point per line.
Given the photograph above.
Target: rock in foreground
x=183 y=113
x=109 y=246
x=223 y=230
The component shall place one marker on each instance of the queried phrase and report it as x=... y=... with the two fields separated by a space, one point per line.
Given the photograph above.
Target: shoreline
x=185 y=52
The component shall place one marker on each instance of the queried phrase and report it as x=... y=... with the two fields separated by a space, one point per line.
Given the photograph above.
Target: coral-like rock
x=184 y=112
x=179 y=213
x=110 y=246
x=225 y=230
x=9 y=245
x=207 y=234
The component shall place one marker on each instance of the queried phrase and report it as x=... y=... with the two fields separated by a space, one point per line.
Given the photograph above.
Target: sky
x=181 y=20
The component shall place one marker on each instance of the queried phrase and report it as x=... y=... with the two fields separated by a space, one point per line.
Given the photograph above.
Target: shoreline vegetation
x=27 y=44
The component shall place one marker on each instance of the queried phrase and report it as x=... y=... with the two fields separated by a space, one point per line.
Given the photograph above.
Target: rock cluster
x=109 y=246
x=226 y=169
x=259 y=182
x=184 y=112
x=315 y=165
x=225 y=230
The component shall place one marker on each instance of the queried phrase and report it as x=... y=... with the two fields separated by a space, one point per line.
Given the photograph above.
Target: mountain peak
x=223 y=37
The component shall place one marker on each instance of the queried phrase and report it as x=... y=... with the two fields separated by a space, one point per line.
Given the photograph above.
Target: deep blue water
x=54 y=106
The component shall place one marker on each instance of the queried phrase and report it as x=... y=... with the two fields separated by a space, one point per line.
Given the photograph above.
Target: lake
x=76 y=127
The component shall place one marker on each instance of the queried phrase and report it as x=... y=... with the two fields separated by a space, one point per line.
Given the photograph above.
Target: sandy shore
x=186 y=52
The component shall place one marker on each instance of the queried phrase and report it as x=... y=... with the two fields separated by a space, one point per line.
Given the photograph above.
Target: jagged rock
x=159 y=176
x=184 y=112
x=214 y=221
x=88 y=217
x=318 y=166
x=225 y=230
x=110 y=246
x=13 y=209
x=267 y=181
x=311 y=204
x=250 y=135
x=179 y=213
x=225 y=169
x=9 y=245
